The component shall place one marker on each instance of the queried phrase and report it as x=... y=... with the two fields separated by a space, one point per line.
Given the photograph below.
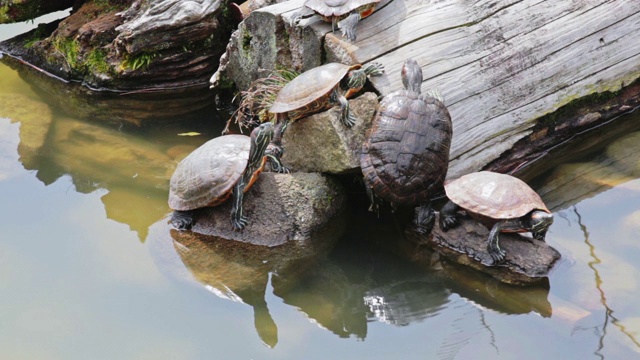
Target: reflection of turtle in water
x=344 y=13
x=222 y=168
x=405 y=158
x=503 y=202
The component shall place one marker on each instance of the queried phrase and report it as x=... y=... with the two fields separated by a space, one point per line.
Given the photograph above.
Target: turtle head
x=356 y=78
x=411 y=75
x=540 y=222
x=260 y=139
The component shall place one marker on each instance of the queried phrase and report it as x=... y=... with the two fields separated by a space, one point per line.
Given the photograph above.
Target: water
x=89 y=269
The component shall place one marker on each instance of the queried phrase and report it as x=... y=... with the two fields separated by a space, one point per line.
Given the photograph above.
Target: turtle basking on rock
x=502 y=202
x=346 y=14
x=406 y=156
x=222 y=168
x=318 y=89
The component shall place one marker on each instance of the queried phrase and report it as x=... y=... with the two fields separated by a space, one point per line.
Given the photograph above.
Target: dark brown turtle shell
x=340 y=8
x=494 y=195
x=309 y=92
x=206 y=176
x=406 y=156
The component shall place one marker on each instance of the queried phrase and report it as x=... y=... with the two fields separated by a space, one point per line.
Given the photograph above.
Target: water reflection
x=138 y=108
x=239 y=271
x=134 y=166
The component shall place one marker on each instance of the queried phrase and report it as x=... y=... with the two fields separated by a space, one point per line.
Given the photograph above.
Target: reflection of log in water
x=609 y=317
x=141 y=108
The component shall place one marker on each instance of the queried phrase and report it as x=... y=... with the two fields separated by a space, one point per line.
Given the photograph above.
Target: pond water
x=90 y=270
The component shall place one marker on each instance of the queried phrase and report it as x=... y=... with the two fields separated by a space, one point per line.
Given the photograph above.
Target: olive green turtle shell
x=406 y=156
x=494 y=195
x=309 y=92
x=337 y=8
x=206 y=176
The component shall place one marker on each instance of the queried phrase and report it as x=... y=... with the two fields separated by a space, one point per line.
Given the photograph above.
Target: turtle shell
x=206 y=176
x=309 y=92
x=338 y=8
x=406 y=156
x=494 y=195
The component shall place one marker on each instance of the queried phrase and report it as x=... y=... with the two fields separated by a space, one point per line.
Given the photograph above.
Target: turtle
x=405 y=157
x=501 y=202
x=222 y=168
x=344 y=13
x=318 y=89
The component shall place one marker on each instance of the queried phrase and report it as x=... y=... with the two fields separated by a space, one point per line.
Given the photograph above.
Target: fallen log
x=502 y=66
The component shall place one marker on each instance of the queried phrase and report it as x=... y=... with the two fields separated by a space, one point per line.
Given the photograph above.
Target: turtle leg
x=346 y=116
x=424 y=219
x=493 y=246
x=348 y=26
x=303 y=13
x=182 y=220
x=373 y=204
x=273 y=154
x=449 y=216
x=237 y=219
x=274 y=149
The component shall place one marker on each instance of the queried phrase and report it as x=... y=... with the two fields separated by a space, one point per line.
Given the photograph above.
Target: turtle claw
x=348 y=119
x=240 y=223
x=182 y=220
x=448 y=222
x=497 y=255
x=348 y=26
x=424 y=219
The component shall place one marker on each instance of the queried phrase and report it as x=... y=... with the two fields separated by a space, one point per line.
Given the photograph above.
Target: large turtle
x=344 y=13
x=406 y=156
x=222 y=168
x=318 y=89
x=502 y=202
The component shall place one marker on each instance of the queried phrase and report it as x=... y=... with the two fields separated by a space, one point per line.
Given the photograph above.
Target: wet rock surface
x=281 y=208
x=528 y=261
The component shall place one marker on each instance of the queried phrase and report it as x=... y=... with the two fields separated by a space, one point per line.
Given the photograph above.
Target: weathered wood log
x=501 y=66
x=527 y=261
x=12 y=11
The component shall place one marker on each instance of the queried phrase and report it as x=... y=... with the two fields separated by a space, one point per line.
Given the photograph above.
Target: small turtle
x=344 y=13
x=318 y=89
x=501 y=202
x=406 y=156
x=222 y=168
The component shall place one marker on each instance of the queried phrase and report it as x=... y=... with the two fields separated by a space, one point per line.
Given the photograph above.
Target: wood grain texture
x=500 y=65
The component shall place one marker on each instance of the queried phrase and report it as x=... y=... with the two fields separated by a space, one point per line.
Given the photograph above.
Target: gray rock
x=281 y=208
x=321 y=142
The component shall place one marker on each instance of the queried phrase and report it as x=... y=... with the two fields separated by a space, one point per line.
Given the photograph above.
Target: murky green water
x=89 y=268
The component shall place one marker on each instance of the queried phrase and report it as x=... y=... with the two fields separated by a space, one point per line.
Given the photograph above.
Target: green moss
x=140 y=61
x=4 y=18
x=246 y=41
x=97 y=62
x=70 y=49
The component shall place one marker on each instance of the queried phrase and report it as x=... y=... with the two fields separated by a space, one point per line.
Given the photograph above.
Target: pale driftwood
x=499 y=64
